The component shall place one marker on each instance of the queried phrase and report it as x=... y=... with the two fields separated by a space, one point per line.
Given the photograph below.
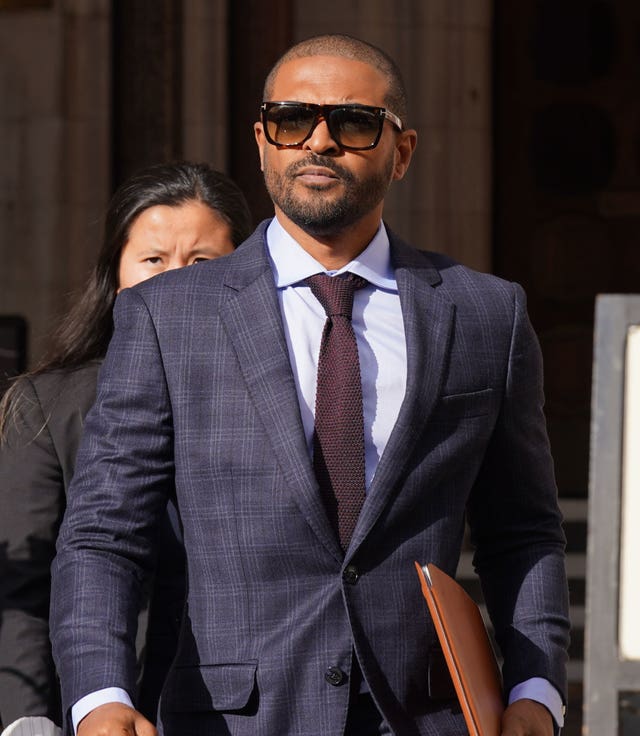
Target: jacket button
x=351 y=574
x=335 y=676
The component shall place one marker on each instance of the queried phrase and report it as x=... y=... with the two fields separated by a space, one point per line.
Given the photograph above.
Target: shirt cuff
x=542 y=691
x=90 y=702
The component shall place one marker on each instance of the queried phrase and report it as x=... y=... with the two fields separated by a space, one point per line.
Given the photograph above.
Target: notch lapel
x=252 y=317
x=428 y=322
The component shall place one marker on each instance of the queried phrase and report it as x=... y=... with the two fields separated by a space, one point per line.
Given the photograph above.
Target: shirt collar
x=292 y=264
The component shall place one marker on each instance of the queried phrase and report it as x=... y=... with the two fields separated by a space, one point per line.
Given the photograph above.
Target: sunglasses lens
x=355 y=128
x=289 y=124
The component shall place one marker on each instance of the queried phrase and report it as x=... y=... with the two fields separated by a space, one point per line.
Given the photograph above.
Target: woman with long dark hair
x=166 y=216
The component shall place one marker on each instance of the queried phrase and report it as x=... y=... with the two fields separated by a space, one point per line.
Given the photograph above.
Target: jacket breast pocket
x=217 y=687
x=466 y=406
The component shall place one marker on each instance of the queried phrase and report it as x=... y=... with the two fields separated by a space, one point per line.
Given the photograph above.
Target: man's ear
x=261 y=141
x=405 y=146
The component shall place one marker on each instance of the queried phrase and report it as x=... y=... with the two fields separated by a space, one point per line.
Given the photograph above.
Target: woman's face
x=162 y=238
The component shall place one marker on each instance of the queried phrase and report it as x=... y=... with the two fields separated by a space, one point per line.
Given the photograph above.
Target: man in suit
x=209 y=386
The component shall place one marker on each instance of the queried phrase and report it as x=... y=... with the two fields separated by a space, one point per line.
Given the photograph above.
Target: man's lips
x=316 y=175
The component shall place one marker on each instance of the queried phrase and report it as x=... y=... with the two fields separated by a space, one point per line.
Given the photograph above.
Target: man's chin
x=319 y=224
x=320 y=186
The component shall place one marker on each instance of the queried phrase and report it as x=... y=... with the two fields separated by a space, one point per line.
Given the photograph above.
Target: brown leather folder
x=467 y=649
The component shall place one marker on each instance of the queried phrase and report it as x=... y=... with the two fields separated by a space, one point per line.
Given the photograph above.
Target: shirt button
x=335 y=676
x=351 y=574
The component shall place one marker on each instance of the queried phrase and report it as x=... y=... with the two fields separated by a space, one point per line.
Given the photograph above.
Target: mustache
x=315 y=159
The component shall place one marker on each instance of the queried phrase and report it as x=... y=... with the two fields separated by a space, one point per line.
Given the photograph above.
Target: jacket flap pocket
x=466 y=406
x=209 y=687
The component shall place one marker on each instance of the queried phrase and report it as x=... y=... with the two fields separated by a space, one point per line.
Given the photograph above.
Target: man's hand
x=527 y=718
x=115 y=719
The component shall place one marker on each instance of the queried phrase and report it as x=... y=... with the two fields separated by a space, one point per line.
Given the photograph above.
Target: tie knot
x=335 y=293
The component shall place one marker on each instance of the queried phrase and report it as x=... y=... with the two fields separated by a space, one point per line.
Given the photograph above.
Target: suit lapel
x=428 y=321
x=252 y=317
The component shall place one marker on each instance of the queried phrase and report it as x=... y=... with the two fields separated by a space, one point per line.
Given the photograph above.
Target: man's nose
x=320 y=140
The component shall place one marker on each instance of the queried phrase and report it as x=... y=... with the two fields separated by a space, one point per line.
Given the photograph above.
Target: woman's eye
x=200 y=259
x=153 y=260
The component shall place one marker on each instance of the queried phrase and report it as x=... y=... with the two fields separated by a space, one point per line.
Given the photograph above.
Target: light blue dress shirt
x=377 y=323
x=379 y=329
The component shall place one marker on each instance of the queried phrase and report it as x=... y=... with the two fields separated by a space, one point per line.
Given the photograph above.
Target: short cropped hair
x=348 y=47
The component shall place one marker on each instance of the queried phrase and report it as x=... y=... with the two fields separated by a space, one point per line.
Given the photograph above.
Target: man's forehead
x=319 y=60
x=327 y=69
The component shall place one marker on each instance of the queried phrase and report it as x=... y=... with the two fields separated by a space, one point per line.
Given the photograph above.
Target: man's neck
x=337 y=249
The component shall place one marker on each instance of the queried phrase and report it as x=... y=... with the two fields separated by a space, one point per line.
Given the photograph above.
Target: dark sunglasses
x=352 y=127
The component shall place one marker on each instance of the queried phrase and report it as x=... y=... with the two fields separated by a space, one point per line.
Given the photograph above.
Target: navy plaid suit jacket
x=197 y=393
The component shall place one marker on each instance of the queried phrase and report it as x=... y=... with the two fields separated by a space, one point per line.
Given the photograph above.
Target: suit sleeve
x=516 y=525
x=32 y=503
x=106 y=546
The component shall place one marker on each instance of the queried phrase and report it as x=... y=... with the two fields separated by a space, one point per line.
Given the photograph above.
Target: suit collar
x=251 y=258
x=405 y=257
x=249 y=261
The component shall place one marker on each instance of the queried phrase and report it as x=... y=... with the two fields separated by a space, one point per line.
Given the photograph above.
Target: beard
x=326 y=214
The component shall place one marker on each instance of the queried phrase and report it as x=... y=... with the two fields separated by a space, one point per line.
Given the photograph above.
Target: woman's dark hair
x=87 y=328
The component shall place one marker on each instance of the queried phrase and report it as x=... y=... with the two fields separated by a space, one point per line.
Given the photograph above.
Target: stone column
x=54 y=145
x=205 y=101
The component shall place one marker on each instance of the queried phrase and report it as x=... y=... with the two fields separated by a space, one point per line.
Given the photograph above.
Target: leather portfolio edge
x=482 y=714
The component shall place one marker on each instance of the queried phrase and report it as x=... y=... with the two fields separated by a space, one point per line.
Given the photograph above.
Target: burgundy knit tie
x=338 y=439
